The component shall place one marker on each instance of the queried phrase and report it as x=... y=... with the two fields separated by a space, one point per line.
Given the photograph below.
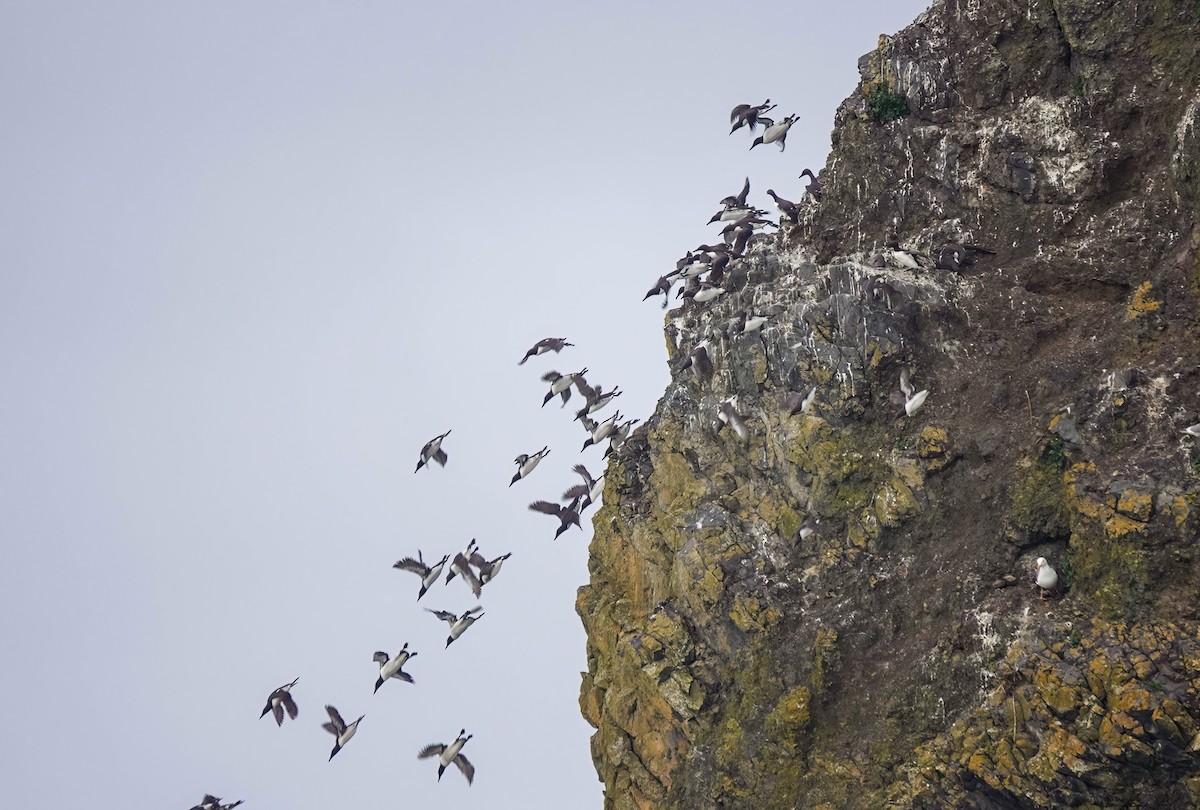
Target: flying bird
x=488 y=569
x=390 y=666
x=432 y=451
x=750 y=115
x=776 y=133
x=912 y=401
x=738 y=200
x=458 y=624
x=338 y=728
x=795 y=402
x=568 y=515
x=450 y=753
x=589 y=490
x=597 y=398
x=728 y=415
x=599 y=430
x=210 y=802
x=526 y=463
x=428 y=573
x=278 y=701
x=560 y=384
x=545 y=345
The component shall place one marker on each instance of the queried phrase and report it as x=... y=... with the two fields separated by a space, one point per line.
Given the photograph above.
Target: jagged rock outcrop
x=898 y=654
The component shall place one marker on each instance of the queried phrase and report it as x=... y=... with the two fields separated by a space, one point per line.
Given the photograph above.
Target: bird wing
x=431 y=751
x=409 y=564
x=545 y=507
x=577 y=491
x=465 y=569
x=905 y=385
x=339 y=725
x=277 y=710
x=444 y=615
x=464 y=765
x=440 y=457
x=331 y=728
x=738 y=110
x=380 y=657
x=583 y=473
x=589 y=393
x=477 y=559
x=289 y=703
x=476 y=609
x=741 y=197
x=402 y=675
x=551 y=377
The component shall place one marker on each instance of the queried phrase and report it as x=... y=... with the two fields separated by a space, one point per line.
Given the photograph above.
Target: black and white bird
x=738 y=200
x=589 y=490
x=795 y=402
x=428 y=573
x=699 y=362
x=814 y=185
x=211 y=802
x=599 y=430
x=776 y=133
x=450 y=753
x=545 y=345
x=728 y=414
x=750 y=115
x=787 y=208
x=618 y=436
x=597 y=398
x=955 y=256
x=461 y=565
x=911 y=400
x=279 y=701
x=526 y=463
x=432 y=451
x=488 y=569
x=390 y=666
x=663 y=288
x=560 y=384
x=339 y=729
x=458 y=624
x=567 y=515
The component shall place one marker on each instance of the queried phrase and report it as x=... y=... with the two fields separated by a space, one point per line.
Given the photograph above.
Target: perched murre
x=599 y=430
x=787 y=208
x=338 y=728
x=432 y=451
x=428 y=573
x=707 y=292
x=749 y=115
x=1047 y=577
x=954 y=256
x=589 y=490
x=560 y=384
x=278 y=701
x=738 y=200
x=814 y=185
x=906 y=396
x=450 y=753
x=902 y=257
x=567 y=515
x=744 y=322
x=526 y=463
x=545 y=345
x=806 y=530
x=776 y=133
x=390 y=666
x=728 y=414
x=699 y=362
x=458 y=624
x=795 y=403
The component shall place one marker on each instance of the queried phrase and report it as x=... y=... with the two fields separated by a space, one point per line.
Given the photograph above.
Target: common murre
x=567 y=515
x=339 y=729
x=906 y=396
x=560 y=384
x=278 y=701
x=749 y=115
x=432 y=451
x=428 y=573
x=450 y=753
x=589 y=490
x=458 y=624
x=545 y=345
x=526 y=463
x=390 y=666
x=776 y=133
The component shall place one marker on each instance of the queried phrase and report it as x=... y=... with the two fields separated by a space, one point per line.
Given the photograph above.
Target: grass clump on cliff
x=886 y=105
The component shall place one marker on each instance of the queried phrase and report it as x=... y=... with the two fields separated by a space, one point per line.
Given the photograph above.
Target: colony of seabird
x=706 y=273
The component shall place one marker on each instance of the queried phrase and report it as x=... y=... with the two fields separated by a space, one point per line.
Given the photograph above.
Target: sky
x=252 y=257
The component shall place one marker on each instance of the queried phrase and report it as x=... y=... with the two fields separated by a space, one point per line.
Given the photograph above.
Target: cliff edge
x=841 y=611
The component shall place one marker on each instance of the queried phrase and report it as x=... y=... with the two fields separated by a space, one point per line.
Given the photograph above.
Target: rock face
x=841 y=611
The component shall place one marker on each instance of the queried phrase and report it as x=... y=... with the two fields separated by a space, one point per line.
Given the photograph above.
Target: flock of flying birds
x=475 y=569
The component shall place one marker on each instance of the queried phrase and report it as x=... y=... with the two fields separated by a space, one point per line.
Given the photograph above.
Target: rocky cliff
x=896 y=652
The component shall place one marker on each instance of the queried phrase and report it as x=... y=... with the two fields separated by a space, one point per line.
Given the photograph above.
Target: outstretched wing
x=464 y=568
x=431 y=751
x=444 y=615
x=464 y=765
x=409 y=564
x=339 y=725
x=545 y=507
x=440 y=457
x=277 y=711
x=289 y=703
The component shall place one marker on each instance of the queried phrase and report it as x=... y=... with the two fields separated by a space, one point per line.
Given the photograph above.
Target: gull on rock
x=1047 y=577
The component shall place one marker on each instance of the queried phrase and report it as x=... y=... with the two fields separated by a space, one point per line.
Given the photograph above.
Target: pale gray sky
x=254 y=255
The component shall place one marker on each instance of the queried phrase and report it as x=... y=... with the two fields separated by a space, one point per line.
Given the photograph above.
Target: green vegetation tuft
x=886 y=105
